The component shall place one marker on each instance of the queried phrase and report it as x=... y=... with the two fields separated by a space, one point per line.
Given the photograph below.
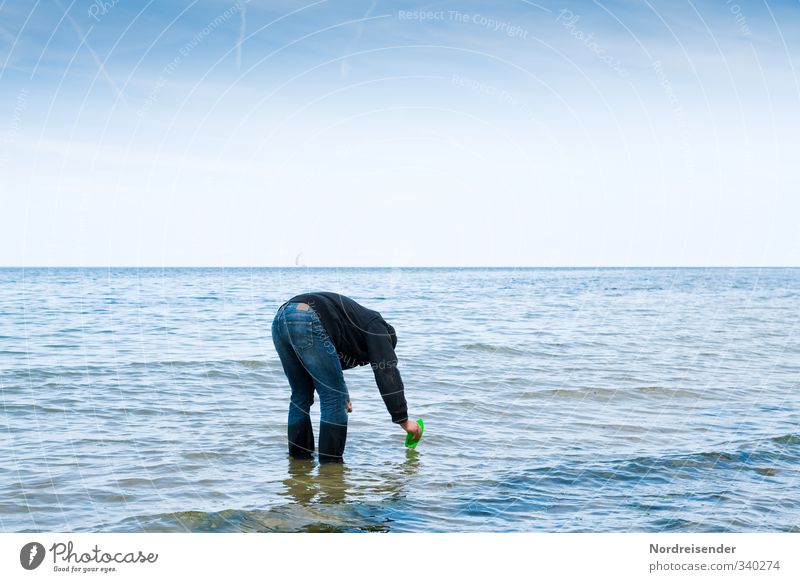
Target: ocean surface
x=590 y=400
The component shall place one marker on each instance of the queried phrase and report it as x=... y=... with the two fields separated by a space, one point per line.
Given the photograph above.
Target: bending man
x=317 y=335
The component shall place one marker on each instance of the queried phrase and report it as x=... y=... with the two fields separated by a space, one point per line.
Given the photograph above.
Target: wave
x=483 y=347
x=580 y=393
x=789 y=439
x=284 y=518
x=111 y=368
x=667 y=391
x=593 y=392
x=761 y=457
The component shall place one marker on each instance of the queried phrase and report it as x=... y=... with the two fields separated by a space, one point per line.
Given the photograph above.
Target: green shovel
x=410 y=442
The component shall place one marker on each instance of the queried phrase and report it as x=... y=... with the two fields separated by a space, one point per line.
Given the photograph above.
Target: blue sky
x=399 y=133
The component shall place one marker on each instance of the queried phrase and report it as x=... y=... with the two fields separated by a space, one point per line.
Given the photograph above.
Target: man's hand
x=349 y=406
x=411 y=427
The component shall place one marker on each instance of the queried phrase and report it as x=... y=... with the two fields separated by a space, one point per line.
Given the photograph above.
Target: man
x=317 y=335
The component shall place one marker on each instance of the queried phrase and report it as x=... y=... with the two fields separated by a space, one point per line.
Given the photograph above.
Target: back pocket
x=301 y=335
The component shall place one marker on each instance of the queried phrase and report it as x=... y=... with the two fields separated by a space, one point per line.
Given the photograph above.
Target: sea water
x=553 y=399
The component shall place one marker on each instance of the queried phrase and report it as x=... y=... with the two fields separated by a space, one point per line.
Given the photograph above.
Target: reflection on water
x=325 y=485
x=309 y=482
x=319 y=498
x=602 y=400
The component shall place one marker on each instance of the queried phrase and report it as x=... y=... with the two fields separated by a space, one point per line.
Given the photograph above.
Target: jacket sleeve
x=384 y=363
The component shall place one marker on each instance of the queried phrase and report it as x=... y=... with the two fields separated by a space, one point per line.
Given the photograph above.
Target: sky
x=383 y=133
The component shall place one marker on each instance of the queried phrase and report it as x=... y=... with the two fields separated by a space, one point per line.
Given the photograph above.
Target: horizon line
x=301 y=267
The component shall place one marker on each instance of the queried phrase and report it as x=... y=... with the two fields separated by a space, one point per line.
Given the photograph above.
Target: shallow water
x=554 y=400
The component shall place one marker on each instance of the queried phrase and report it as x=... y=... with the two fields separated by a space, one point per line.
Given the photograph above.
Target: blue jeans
x=310 y=362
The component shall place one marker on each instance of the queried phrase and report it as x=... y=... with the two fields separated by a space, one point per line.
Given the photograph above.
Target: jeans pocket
x=301 y=334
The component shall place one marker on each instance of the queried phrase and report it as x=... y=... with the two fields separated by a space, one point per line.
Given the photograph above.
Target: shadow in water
x=334 y=483
x=324 y=497
x=328 y=486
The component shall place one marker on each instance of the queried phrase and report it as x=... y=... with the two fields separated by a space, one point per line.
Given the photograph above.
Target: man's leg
x=322 y=363
x=300 y=432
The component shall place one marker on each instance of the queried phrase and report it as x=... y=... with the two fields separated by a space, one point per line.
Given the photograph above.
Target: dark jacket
x=361 y=337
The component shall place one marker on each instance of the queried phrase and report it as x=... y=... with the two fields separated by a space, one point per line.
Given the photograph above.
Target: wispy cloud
x=6 y=36
x=242 y=29
x=344 y=67
x=84 y=42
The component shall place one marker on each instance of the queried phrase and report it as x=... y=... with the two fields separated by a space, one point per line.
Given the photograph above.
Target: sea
x=554 y=400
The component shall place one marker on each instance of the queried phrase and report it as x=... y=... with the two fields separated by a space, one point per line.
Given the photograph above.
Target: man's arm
x=384 y=363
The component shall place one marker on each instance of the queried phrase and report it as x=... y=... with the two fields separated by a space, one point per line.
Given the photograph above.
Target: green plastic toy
x=410 y=442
